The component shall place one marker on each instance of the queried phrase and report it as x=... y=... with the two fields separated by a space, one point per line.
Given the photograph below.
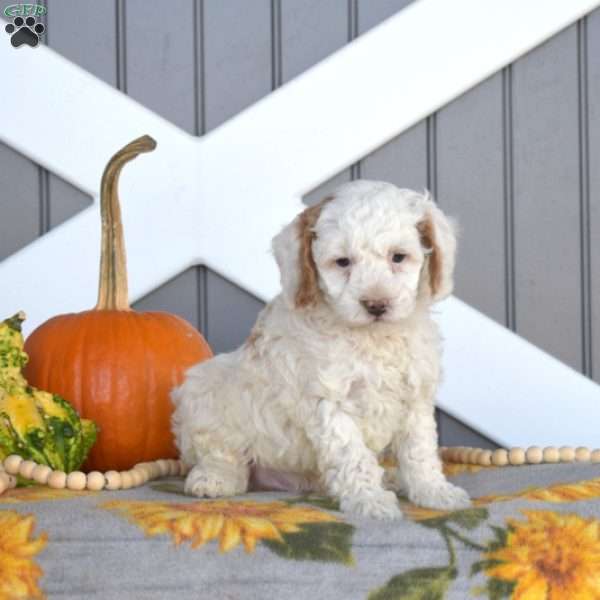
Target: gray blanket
x=533 y=532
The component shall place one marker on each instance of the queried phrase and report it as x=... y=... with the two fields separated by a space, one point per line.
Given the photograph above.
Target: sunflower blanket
x=533 y=533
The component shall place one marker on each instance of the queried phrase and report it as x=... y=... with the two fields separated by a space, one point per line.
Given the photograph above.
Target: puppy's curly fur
x=341 y=365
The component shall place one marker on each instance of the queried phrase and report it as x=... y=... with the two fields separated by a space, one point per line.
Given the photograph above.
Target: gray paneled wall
x=513 y=158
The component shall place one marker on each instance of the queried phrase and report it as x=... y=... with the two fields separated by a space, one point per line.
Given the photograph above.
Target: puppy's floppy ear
x=438 y=237
x=292 y=248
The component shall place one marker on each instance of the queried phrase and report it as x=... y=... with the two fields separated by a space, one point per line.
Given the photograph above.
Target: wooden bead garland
x=534 y=455
x=94 y=481
x=147 y=471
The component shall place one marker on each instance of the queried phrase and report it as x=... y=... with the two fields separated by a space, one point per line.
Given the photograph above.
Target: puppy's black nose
x=375 y=307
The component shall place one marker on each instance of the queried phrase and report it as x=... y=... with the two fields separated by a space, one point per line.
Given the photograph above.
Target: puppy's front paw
x=202 y=483
x=441 y=495
x=379 y=504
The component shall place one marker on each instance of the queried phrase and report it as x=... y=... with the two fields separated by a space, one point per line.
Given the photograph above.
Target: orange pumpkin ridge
x=117 y=366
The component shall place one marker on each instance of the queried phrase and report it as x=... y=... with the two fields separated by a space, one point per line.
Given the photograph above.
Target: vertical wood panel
x=310 y=31
x=178 y=296
x=160 y=59
x=231 y=313
x=547 y=195
x=584 y=196
x=454 y=433
x=84 y=31
x=371 y=13
x=237 y=51
x=19 y=201
x=593 y=86
x=66 y=201
x=470 y=187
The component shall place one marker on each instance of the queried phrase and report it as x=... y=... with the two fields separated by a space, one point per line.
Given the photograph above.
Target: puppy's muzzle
x=375 y=307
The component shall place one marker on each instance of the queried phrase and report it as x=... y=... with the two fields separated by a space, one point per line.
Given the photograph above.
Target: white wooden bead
x=143 y=468
x=485 y=458
x=137 y=477
x=582 y=454
x=95 y=481
x=126 y=480
x=9 y=481
x=595 y=456
x=41 y=474
x=458 y=454
x=57 y=480
x=163 y=467
x=183 y=468
x=445 y=455
x=534 y=455
x=474 y=456
x=516 y=456
x=566 y=453
x=550 y=455
x=113 y=480
x=500 y=457
x=26 y=468
x=145 y=475
x=76 y=481
x=470 y=455
x=12 y=463
x=152 y=471
x=442 y=453
x=173 y=467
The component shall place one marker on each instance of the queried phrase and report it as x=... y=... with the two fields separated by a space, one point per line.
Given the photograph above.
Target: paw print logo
x=24 y=31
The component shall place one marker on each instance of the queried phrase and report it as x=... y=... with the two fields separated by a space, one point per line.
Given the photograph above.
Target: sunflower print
x=231 y=523
x=39 y=493
x=19 y=574
x=550 y=555
x=560 y=492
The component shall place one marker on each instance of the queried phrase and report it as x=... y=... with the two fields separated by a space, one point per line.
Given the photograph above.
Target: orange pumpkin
x=117 y=366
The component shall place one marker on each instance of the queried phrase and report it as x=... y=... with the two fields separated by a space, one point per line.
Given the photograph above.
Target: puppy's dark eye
x=342 y=262
x=398 y=258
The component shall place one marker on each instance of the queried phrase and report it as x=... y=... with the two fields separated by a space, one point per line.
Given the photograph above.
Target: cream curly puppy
x=342 y=364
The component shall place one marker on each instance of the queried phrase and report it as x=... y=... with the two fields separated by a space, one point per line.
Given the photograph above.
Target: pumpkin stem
x=112 y=289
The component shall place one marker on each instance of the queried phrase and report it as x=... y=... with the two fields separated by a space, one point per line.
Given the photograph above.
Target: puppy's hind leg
x=218 y=470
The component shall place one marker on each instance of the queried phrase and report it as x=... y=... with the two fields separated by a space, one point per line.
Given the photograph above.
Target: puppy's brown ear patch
x=308 y=292
x=426 y=231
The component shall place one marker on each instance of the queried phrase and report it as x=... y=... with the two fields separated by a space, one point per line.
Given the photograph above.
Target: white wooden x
x=218 y=200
